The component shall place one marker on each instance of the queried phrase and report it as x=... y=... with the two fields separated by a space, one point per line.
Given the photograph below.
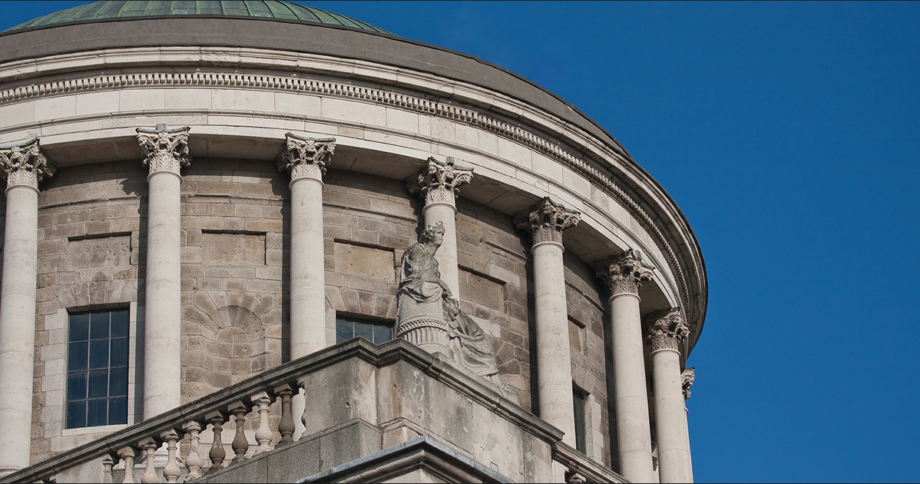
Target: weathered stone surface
x=233 y=248
x=364 y=261
x=98 y=253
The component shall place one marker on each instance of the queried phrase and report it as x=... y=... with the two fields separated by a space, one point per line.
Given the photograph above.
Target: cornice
x=599 y=154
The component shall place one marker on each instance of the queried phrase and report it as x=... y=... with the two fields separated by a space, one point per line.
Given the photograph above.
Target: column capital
x=546 y=221
x=626 y=273
x=440 y=182
x=165 y=150
x=24 y=165
x=306 y=157
x=667 y=330
x=686 y=380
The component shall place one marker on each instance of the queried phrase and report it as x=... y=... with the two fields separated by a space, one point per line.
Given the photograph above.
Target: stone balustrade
x=366 y=374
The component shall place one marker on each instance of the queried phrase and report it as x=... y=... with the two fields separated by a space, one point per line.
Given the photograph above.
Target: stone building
x=207 y=202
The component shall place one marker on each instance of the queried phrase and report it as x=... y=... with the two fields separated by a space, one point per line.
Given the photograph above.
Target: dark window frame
x=98 y=362
x=372 y=327
x=579 y=402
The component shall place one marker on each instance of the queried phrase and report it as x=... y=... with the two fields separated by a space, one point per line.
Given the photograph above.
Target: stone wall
x=90 y=228
x=234 y=224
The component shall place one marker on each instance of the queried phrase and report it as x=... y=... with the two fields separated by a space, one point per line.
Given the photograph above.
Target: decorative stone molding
x=24 y=165
x=164 y=149
x=547 y=220
x=667 y=331
x=440 y=182
x=686 y=380
x=306 y=157
x=327 y=88
x=625 y=275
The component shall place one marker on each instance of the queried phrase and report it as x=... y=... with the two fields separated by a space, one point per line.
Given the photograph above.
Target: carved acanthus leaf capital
x=546 y=221
x=626 y=273
x=686 y=380
x=440 y=182
x=667 y=330
x=24 y=165
x=306 y=157
x=165 y=150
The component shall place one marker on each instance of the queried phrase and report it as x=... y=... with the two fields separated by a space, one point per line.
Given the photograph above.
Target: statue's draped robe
x=476 y=350
x=421 y=288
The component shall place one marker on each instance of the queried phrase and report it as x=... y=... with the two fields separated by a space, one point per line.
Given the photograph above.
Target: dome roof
x=254 y=9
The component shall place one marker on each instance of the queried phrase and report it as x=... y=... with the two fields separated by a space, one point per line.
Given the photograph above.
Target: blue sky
x=788 y=134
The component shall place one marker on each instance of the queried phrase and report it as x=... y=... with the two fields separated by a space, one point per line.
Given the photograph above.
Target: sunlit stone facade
x=230 y=195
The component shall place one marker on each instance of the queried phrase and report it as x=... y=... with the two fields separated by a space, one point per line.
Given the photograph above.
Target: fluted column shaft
x=166 y=151
x=24 y=167
x=306 y=160
x=439 y=184
x=624 y=276
x=554 y=362
x=666 y=335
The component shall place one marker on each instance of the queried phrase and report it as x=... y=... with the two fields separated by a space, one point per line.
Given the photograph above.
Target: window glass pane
x=79 y=327
x=76 y=414
x=118 y=411
x=120 y=324
x=96 y=412
x=579 y=403
x=99 y=354
x=344 y=331
x=364 y=330
x=99 y=325
x=118 y=382
x=119 y=352
x=76 y=385
x=98 y=383
x=382 y=334
x=77 y=356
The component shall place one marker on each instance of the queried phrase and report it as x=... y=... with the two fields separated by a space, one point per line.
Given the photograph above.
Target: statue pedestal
x=428 y=334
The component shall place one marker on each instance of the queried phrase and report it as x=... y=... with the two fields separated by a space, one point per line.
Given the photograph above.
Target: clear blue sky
x=788 y=134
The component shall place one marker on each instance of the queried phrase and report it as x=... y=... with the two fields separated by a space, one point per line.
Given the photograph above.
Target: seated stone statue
x=430 y=318
x=421 y=288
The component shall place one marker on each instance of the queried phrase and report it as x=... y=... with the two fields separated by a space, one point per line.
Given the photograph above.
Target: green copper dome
x=134 y=9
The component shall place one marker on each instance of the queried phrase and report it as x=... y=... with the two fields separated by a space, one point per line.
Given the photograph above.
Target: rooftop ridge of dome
x=114 y=10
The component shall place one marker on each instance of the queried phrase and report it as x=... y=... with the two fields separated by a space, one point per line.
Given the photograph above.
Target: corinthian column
x=666 y=334
x=165 y=152
x=306 y=159
x=24 y=166
x=554 y=371
x=624 y=276
x=438 y=184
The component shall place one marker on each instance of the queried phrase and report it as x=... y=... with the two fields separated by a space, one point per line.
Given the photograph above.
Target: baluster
x=193 y=461
x=302 y=384
x=217 y=453
x=264 y=435
x=127 y=454
x=286 y=426
x=150 y=475
x=107 y=464
x=240 y=444
x=171 y=472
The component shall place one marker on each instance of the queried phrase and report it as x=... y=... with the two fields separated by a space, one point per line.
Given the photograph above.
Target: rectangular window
x=97 y=369
x=375 y=332
x=579 y=397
